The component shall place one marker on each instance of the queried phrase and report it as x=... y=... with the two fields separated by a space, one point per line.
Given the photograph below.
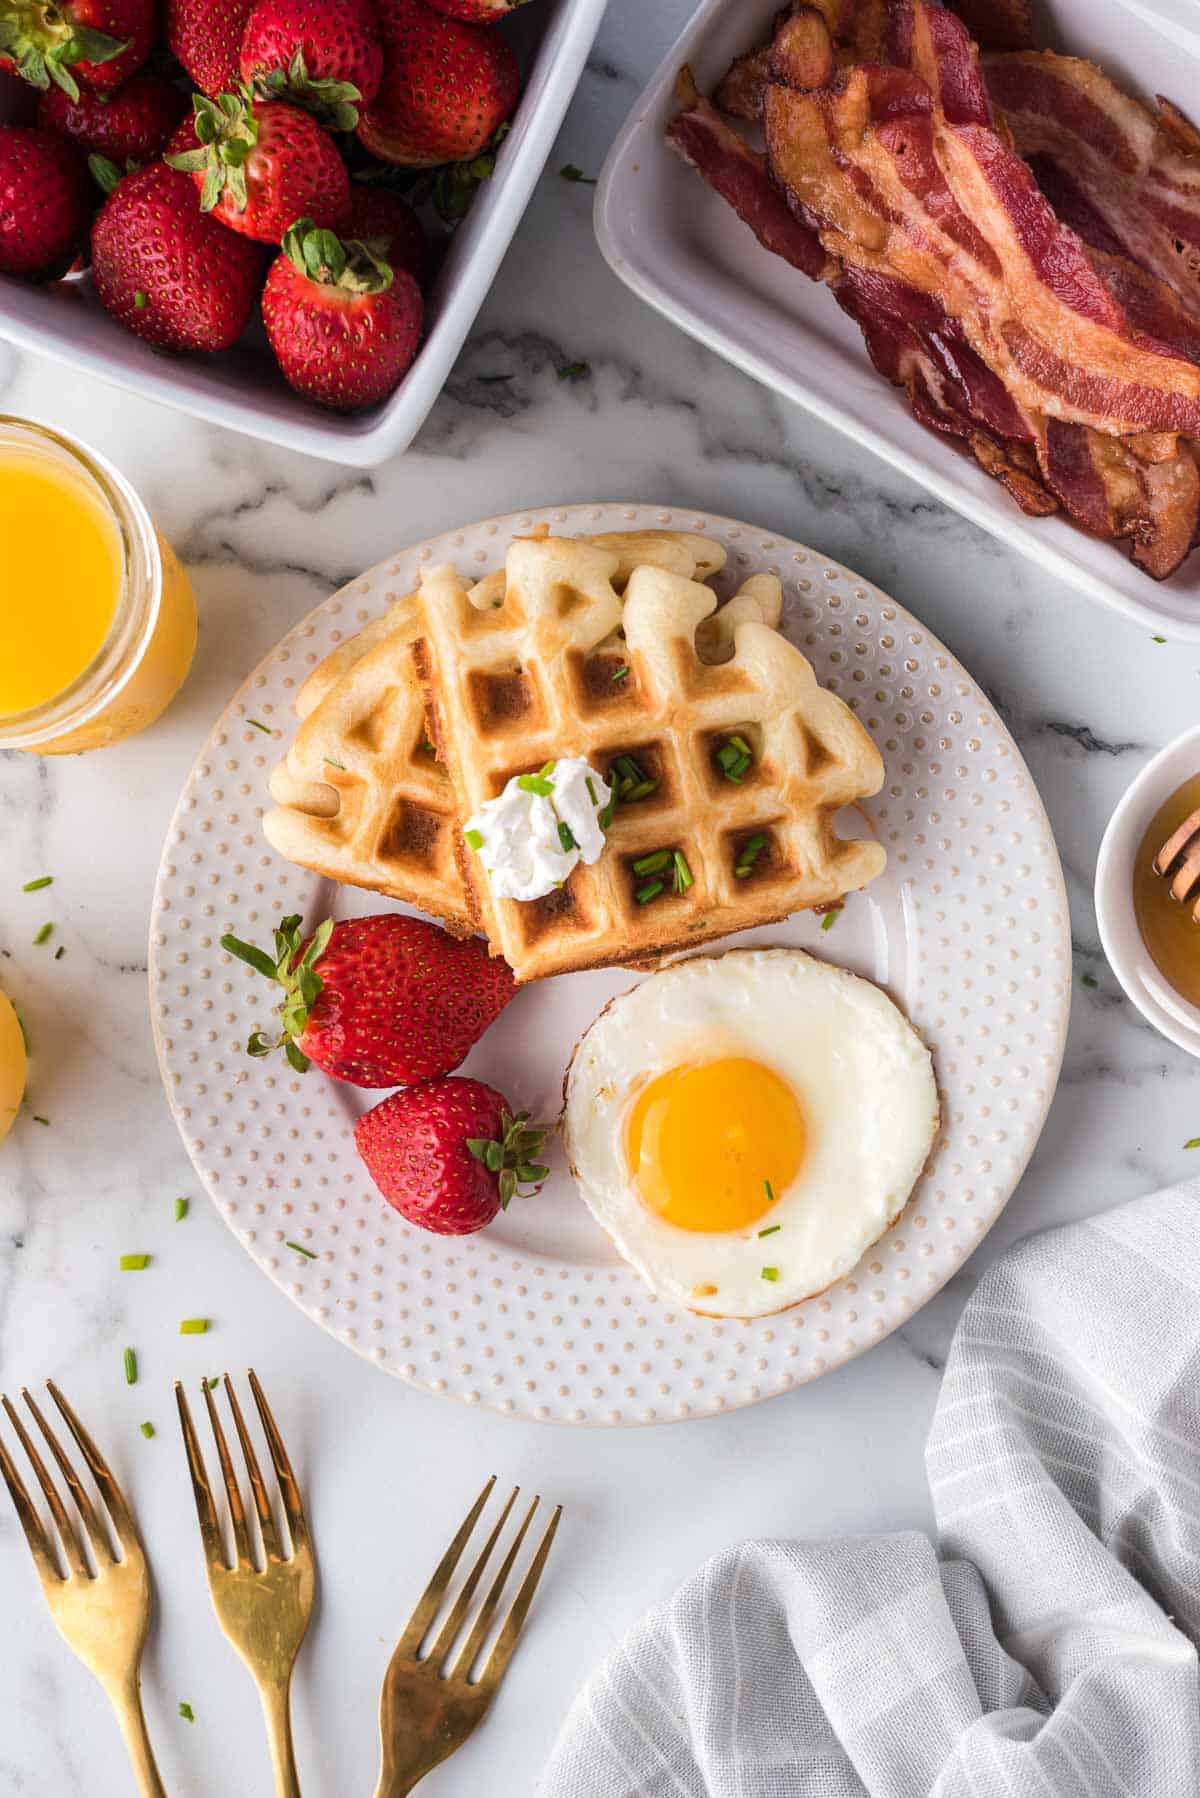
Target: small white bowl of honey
x=1152 y=940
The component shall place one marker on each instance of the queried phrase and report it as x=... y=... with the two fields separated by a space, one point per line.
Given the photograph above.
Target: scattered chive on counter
x=43 y=933
x=193 y=1326
x=259 y=725
x=130 y=1368
x=213 y=1383
x=181 y=1210
x=1193 y=1142
x=300 y=1249
x=35 y=886
x=770 y=1273
x=831 y=918
x=133 y=1264
x=41 y=1120
x=574 y=371
x=570 y=172
x=147 y=1430
x=60 y=952
x=770 y=1230
x=187 y=1713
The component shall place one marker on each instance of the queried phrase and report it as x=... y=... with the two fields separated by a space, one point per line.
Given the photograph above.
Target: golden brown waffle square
x=563 y=667
x=360 y=796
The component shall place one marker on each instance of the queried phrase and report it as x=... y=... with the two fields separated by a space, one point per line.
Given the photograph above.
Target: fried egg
x=745 y=1126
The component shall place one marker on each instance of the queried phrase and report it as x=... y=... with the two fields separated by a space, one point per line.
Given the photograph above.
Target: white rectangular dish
x=681 y=248
x=242 y=388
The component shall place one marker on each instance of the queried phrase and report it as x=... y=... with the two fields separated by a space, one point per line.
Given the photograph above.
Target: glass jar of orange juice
x=97 y=618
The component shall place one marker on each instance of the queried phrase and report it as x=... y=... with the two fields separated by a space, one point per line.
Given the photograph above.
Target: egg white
x=865 y=1084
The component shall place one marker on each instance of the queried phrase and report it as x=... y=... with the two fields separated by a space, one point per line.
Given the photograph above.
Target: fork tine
x=288 y=1488
x=496 y=1665
x=266 y=1522
x=487 y=1610
x=454 y=1622
x=31 y=1523
x=110 y=1492
x=241 y=1541
x=72 y=1546
x=210 y=1533
x=435 y=1591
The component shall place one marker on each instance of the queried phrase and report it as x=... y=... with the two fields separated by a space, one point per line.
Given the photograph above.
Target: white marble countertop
x=265 y=535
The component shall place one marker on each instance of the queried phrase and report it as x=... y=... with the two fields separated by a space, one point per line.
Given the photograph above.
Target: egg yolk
x=709 y=1144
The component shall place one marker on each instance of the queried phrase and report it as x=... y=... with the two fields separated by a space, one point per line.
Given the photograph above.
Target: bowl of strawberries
x=278 y=215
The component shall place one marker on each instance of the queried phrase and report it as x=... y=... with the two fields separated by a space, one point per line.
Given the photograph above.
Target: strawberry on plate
x=324 y=55
x=259 y=165
x=99 y=43
x=167 y=271
x=344 y=325
x=449 y=1154
x=388 y=224
x=378 y=1001
x=132 y=125
x=206 y=36
x=446 y=90
x=44 y=202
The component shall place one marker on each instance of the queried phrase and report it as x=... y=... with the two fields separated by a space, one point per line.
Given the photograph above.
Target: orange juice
x=97 y=618
x=60 y=576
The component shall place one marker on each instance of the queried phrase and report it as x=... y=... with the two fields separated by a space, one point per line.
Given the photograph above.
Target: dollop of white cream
x=517 y=835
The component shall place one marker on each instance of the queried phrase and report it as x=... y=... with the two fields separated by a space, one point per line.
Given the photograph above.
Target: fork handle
x=126 y=1701
x=277 y=1713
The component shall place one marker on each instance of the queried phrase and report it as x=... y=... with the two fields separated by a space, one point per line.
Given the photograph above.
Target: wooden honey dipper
x=1179 y=862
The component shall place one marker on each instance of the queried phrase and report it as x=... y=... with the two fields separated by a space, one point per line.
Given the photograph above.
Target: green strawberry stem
x=43 y=43
x=227 y=131
x=296 y=973
x=332 y=102
x=511 y=1156
x=321 y=256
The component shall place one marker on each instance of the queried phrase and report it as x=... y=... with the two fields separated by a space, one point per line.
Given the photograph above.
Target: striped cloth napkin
x=1046 y=1648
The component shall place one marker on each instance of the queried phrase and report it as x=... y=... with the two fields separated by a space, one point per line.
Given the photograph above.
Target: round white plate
x=536 y=1316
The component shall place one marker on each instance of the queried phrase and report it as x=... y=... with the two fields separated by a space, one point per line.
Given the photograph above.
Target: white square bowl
x=242 y=388
x=680 y=247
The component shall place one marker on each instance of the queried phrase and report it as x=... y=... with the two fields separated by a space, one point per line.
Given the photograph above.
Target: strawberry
x=165 y=270
x=449 y=1154
x=377 y=1001
x=260 y=165
x=324 y=55
x=343 y=324
x=132 y=125
x=477 y=12
x=389 y=226
x=100 y=43
x=44 y=202
x=447 y=87
x=206 y=36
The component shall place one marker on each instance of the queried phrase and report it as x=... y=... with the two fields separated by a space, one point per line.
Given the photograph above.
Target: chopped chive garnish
x=570 y=172
x=193 y=1326
x=474 y=839
x=41 y=1120
x=133 y=1264
x=642 y=791
x=684 y=878
x=605 y=818
x=741 y=745
x=650 y=891
x=43 y=933
x=1158 y=639
x=749 y=853
x=35 y=886
x=770 y=1192
x=574 y=371
x=187 y=1713
x=60 y=952
x=622 y=671
x=591 y=791
x=547 y=769
x=147 y=1430
x=629 y=769
x=259 y=725
x=770 y=1230
x=301 y=1250
x=130 y=1368
x=213 y=1383
x=1088 y=980
x=181 y=1210
x=831 y=918
x=566 y=838
x=1193 y=1142
x=734 y=758
x=330 y=763
x=770 y=1273
x=653 y=864
x=535 y=783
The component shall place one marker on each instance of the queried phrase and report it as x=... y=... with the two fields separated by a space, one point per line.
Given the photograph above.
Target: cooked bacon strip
x=729 y=165
x=997 y=24
x=1073 y=206
x=1152 y=308
x=1137 y=172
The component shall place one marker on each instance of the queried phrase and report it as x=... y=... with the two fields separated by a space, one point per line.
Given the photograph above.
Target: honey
x=1171 y=936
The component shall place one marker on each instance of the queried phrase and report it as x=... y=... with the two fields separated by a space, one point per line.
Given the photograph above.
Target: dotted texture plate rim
x=536 y=1316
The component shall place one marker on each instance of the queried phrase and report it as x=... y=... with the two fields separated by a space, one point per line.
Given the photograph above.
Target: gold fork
x=102 y=1615
x=430 y=1705
x=263 y=1610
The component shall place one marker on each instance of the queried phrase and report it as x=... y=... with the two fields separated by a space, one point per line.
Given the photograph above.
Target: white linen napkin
x=1045 y=1649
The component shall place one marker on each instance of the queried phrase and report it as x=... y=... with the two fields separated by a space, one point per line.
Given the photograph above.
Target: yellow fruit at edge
x=13 y=1062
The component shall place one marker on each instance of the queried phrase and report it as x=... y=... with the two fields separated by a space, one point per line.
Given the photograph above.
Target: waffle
x=540 y=677
x=360 y=797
